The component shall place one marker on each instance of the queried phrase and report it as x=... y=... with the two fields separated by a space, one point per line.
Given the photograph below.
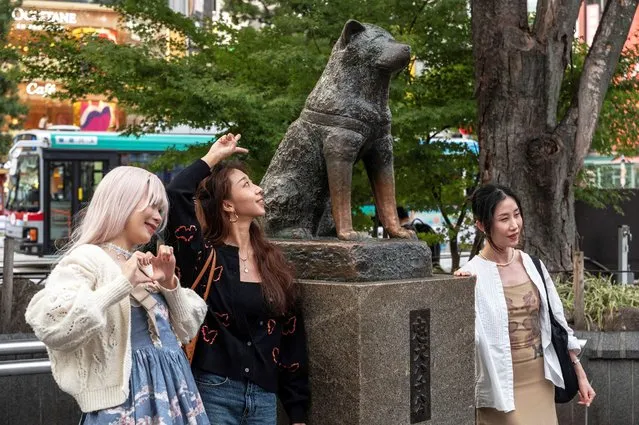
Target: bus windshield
x=24 y=185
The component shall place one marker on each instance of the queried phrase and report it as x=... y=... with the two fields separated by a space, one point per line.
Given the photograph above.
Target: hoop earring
x=236 y=218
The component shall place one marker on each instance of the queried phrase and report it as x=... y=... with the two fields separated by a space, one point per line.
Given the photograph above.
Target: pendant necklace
x=244 y=260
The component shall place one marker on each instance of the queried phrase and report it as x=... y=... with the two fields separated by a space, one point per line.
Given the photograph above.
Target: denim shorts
x=230 y=402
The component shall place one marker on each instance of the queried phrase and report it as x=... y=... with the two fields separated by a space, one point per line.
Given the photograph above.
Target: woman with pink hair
x=112 y=318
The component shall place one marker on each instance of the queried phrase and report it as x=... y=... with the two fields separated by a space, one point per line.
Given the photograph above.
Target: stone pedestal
x=362 y=261
x=388 y=352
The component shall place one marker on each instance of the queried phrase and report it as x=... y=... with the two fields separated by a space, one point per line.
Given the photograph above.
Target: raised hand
x=223 y=148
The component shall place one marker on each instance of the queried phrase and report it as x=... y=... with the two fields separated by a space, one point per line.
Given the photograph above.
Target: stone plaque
x=420 y=401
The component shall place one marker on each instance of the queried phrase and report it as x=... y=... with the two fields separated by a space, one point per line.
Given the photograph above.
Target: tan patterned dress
x=534 y=394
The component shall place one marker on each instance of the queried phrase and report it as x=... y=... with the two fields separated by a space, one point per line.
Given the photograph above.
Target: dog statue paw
x=353 y=235
x=401 y=233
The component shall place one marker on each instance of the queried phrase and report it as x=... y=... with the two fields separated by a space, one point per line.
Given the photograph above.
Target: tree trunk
x=519 y=71
x=454 y=253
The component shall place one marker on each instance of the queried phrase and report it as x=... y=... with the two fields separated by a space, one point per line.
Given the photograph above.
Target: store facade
x=80 y=17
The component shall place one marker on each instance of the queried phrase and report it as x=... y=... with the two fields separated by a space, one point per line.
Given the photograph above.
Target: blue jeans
x=229 y=402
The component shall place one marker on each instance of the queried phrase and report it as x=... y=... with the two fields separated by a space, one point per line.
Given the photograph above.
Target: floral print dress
x=162 y=388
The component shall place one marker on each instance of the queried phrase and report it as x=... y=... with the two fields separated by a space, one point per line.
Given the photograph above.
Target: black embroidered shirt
x=240 y=338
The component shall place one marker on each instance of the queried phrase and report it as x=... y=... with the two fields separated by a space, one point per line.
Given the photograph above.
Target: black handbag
x=559 y=337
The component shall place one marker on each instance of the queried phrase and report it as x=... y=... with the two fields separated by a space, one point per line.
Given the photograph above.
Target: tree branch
x=268 y=16
x=599 y=67
x=555 y=17
x=464 y=209
x=554 y=30
x=438 y=201
x=432 y=135
x=417 y=15
x=312 y=31
x=462 y=216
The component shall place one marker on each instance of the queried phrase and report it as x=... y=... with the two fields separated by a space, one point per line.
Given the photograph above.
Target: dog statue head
x=370 y=44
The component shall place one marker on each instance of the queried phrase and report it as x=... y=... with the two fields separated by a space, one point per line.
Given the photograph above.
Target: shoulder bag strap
x=537 y=263
x=204 y=268
x=211 y=275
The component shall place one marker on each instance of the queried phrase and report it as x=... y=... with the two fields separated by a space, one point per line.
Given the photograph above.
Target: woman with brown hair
x=252 y=346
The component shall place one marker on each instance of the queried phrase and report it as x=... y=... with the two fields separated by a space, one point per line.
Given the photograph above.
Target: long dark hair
x=278 y=285
x=484 y=201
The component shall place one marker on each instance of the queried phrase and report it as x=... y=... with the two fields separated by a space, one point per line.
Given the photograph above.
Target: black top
x=240 y=338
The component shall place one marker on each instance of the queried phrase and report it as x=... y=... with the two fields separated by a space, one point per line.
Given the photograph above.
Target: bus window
x=144 y=159
x=138 y=159
x=25 y=136
x=75 y=162
x=24 y=185
x=61 y=185
x=91 y=173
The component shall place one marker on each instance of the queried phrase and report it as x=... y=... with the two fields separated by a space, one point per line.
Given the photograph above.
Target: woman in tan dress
x=534 y=394
x=516 y=365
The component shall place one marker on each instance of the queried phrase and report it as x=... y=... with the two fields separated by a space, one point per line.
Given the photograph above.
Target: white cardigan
x=493 y=361
x=83 y=316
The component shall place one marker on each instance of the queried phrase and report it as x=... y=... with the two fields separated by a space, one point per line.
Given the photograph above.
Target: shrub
x=602 y=299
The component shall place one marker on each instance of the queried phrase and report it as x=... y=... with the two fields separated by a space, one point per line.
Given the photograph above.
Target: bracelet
x=576 y=361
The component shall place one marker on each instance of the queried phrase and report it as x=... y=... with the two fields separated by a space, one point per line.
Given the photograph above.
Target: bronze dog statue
x=346 y=118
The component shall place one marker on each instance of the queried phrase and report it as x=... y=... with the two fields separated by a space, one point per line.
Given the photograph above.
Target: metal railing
x=37 y=272
x=23 y=367
x=22 y=347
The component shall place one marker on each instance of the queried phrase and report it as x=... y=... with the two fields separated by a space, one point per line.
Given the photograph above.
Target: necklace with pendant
x=244 y=260
x=119 y=251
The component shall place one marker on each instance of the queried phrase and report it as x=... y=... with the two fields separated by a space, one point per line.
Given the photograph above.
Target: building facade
x=80 y=17
x=588 y=21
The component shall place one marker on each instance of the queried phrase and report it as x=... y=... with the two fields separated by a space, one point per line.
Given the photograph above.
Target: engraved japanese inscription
x=420 y=402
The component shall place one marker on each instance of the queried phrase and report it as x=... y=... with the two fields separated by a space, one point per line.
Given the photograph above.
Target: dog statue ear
x=351 y=29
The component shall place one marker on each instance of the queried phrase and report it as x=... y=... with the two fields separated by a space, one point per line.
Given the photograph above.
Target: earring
x=236 y=218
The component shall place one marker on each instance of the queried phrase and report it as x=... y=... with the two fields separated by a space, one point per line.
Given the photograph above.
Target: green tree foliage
x=254 y=79
x=618 y=126
x=10 y=107
x=617 y=130
x=448 y=173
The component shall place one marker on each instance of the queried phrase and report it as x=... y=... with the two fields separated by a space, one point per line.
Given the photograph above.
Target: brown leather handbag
x=189 y=349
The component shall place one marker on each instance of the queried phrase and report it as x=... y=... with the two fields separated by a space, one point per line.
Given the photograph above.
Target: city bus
x=53 y=173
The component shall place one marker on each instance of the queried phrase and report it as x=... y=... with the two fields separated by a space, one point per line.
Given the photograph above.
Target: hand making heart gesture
x=160 y=268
